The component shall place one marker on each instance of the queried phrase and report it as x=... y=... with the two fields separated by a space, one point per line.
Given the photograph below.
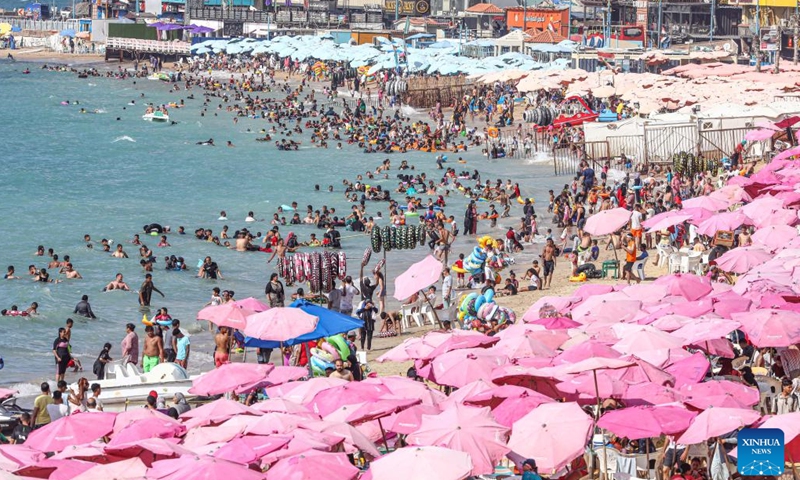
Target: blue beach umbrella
x=67 y=33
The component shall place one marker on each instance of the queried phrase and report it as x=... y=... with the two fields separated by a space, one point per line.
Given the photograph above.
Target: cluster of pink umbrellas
x=527 y=392
x=255 y=319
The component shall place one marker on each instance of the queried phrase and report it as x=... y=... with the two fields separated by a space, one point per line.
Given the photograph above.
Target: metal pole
x=658 y=47
x=569 y=20
x=776 y=69
x=795 y=22
x=757 y=40
x=608 y=25
x=396 y=10
x=711 y=30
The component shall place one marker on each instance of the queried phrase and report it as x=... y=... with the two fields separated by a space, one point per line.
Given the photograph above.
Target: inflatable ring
x=493 y=132
x=299 y=271
x=578 y=278
x=379 y=266
x=412 y=237
x=321 y=364
x=325 y=266
x=521 y=200
x=386 y=238
x=153 y=228
x=340 y=344
x=322 y=355
x=331 y=350
x=421 y=233
x=343 y=265
x=314 y=279
x=367 y=254
x=279 y=265
x=376 y=241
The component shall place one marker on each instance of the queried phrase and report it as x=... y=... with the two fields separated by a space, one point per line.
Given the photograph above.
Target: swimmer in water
x=230 y=144
x=209 y=142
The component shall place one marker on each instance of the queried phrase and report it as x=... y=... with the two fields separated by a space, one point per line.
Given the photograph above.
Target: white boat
x=156 y=117
x=126 y=386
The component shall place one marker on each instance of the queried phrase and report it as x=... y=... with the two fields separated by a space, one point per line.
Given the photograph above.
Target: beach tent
x=330 y=323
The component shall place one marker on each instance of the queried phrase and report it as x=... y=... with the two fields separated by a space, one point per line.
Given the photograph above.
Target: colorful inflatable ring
x=320 y=364
x=493 y=132
x=379 y=266
x=307 y=265
x=325 y=267
x=340 y=344
x=322 y=355
x=299 y=272
x=367 y=254
x=331 y=350
x=521 y=200
x=578 y=278
x=421 y=233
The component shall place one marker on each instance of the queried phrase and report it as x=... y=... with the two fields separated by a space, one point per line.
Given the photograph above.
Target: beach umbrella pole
x=383 y=434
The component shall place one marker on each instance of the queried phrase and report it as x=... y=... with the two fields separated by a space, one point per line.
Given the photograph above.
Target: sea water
x=66 y=174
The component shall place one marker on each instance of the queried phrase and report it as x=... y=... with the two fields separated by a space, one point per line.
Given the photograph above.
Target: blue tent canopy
x=330 y=323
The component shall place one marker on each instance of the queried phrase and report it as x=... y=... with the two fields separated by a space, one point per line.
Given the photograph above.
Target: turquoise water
x=66 y=174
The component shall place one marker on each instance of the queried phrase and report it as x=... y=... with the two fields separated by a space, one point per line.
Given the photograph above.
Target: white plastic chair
x=425 y=314
x=407 y=312
x=606 y=462
x=691 y=262
x=674 y=262
x=638 y=268
x=664 y=252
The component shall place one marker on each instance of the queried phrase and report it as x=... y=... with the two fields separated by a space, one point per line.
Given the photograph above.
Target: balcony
x=228 y=14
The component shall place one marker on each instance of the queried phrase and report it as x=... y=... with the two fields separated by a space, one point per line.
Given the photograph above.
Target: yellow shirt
x=41 y=402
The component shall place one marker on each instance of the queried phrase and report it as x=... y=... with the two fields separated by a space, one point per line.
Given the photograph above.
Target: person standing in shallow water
x=146 y=290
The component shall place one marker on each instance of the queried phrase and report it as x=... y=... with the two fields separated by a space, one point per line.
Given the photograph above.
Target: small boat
x=126 y=386
x=156 y=117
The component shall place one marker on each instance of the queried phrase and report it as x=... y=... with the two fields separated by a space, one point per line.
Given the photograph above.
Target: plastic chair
x=425 y=313
x=609 y=266
x=674 y=263
x=606 y=462
x=664 y=252
x=407 y=312
x=638 y=268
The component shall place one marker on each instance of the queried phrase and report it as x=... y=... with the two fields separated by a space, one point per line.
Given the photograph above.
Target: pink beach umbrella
x=585 y=350
x=706 y=202
x=513 y=408
x=523 y=347
x=553 y=434
x=7 y=393
x=689 y=370
x=281 y=405
x=643 y=341
x=662 y=221
x=742 y=259
x=379 y=408
x=717 y=421
x=55 y=469
x=132 y=468
x=147 y=428
x=252 y=303
x=230 y=377
x=304 y=392
x=250 y=448
x=460 y=340
x=409 y=420
x=354 y=439
x=493 y=397
x=124 y=419
x=636 y=423
x=276 y=423
x=780 y=217
x=193 y=467
x=460 y=367
x=422 y=463
x=556 y=323
x=280 y=324
x=405 y=387
x=13 y=457
x=705 y=330
x=691 y=287
x=723 y=221
x=91 y=452
x=71 y=430
x=607 y=221
x=774 y=237
x=218 y=411
x=419 y=276
x=720 y=393
x=467 y=429
x=149 y=450
x=226 y=315
x=770 y=327
x=328 y=401
x=650 y=394
x=312 y=464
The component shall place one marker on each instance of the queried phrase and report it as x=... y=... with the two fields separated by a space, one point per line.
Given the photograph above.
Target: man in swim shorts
x=549 y=257
x=223 y=341
x=153 y=352
x=116 y=284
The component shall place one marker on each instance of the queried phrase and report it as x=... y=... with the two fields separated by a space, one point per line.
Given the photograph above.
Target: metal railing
x=151 y=46
x=41 y=25
x=231 y=14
